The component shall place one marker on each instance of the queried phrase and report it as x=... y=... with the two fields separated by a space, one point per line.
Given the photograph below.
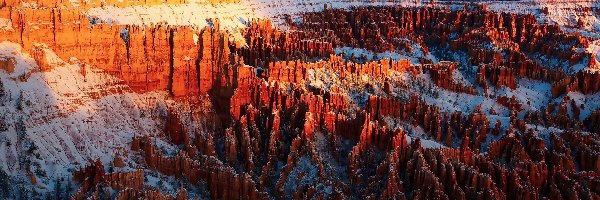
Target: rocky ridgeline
x=97 y=3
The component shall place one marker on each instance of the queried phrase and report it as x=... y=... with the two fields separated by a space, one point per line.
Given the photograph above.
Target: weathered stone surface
x=272 y=132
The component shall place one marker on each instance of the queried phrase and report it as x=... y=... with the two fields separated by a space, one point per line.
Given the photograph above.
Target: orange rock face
x=148 y=58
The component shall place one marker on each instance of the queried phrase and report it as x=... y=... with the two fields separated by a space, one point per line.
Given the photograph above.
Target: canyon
x=299 y=100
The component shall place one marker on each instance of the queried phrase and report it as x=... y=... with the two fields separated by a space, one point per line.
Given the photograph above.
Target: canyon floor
x=313 y=99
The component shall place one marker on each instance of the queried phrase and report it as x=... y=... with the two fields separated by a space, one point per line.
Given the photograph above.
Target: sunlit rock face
x=299 y=100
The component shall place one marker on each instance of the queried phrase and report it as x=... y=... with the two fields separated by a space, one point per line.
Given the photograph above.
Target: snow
x=533 y=95
x=459 y=78
x=560 y=12
x=174 y=14
x=367 y=55
x=544 y=133
x=413 y=132
x=589 y=102
x=72 y=118
x=594 y=48
x=425 y=143
x=124 y=34
x=23 y=62
x=333 y=168
x=232 y=16
x=196 y=15
x=444 y=99
x=358 y=88
x=68 y=117
x=162 y=182
x=29 y=4
x=568 y=14
x=318 y=77
x=6 y=24
x=304 y=173
x=557 y=63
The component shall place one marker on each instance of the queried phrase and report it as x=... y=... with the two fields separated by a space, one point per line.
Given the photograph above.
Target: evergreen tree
x=20 y=101
x=58 y=189
x=4 y=185
x=68 y=189
x=101 y=193
x=34 y=194
x=111 y=167
x=3 y=126
x=21 y=130
x=23 y=192
x=2 y=92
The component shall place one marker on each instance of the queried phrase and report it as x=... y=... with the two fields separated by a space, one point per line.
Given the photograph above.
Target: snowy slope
x=66 y=118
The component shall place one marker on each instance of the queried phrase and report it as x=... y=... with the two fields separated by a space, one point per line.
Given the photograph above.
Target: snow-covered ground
x=367 y=56
x=560 y=12
x=60 y=119
x=232 y=16
x=594 y=48
x=589 y=102
x=565 y=13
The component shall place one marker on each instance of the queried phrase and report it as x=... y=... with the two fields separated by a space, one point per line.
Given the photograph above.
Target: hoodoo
x=244 y=99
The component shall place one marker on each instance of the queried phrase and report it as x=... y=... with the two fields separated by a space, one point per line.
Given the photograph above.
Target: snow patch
x=6 y=24
x=60 y=119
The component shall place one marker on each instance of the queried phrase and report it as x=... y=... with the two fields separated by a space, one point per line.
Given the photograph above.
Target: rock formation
x=295 y=114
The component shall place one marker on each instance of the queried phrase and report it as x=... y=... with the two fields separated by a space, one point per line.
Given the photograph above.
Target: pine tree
x=34 y=194
x=4 y=185
x=3 y=126
x=68 y=189
x=2 y=92
x=101 y=194
x=24 y=144
x=58 y=189
x=111 y=167
x=20 y=101
x=21 y=130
